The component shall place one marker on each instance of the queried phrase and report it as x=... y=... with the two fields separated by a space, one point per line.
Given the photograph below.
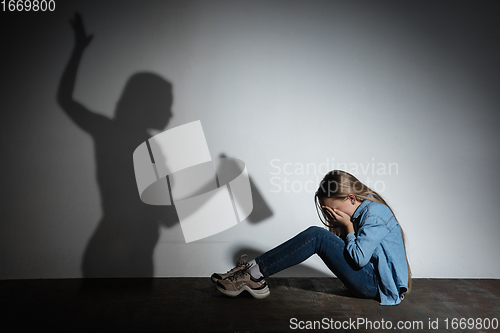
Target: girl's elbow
x=359 y=256
x=363 y=263
x=360 y=261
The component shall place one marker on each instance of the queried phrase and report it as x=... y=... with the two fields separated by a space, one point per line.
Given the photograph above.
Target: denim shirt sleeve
x=369 y=236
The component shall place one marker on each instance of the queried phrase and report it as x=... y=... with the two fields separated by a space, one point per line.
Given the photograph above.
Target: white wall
x=407 y=86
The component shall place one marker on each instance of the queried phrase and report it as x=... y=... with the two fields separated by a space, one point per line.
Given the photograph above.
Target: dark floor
x=193 y=304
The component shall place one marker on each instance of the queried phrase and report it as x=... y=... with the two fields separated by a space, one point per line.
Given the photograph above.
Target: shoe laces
x=241 y=262
x=240 y=273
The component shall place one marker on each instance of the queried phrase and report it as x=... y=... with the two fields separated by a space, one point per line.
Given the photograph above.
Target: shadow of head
x=146 y=102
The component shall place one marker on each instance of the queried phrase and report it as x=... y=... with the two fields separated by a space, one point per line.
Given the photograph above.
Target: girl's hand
x=341 y=218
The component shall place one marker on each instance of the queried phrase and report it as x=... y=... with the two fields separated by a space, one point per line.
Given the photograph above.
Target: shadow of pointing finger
x=261 y=209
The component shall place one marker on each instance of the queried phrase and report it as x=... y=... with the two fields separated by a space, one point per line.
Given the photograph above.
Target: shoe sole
x=259 y=294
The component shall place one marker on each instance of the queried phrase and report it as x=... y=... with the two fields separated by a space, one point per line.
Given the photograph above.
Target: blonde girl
x=364 y=246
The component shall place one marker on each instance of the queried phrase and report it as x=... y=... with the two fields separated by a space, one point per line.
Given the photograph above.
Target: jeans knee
x=315 y=230
x=316 y=234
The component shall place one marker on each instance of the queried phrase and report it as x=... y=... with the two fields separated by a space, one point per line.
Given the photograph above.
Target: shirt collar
x=360 y=209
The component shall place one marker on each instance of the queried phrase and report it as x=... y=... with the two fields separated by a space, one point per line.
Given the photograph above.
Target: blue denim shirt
x=378 y=240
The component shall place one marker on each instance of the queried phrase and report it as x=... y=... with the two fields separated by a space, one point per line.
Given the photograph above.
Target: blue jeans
x=362 y=282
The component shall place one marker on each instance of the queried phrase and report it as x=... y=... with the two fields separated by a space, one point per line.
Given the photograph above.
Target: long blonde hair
x=338 y=184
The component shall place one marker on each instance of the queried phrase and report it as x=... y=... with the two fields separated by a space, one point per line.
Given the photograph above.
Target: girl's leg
x=315 y=240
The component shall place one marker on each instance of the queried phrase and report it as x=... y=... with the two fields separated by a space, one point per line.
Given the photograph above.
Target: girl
x=364 y=246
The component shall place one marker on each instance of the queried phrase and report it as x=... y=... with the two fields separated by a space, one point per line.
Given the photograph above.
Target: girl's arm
x=369 y=236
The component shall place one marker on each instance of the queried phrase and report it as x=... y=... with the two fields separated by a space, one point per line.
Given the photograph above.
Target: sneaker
x=242 y=280
x=240 y=264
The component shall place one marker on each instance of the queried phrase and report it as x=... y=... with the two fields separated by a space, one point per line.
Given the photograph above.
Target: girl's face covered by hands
x=341 y=210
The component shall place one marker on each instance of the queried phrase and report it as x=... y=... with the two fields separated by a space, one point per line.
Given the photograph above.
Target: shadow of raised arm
x=83 y=117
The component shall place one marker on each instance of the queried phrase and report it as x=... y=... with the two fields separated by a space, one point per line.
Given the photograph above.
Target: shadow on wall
x=261 y=209
x=123 y=243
